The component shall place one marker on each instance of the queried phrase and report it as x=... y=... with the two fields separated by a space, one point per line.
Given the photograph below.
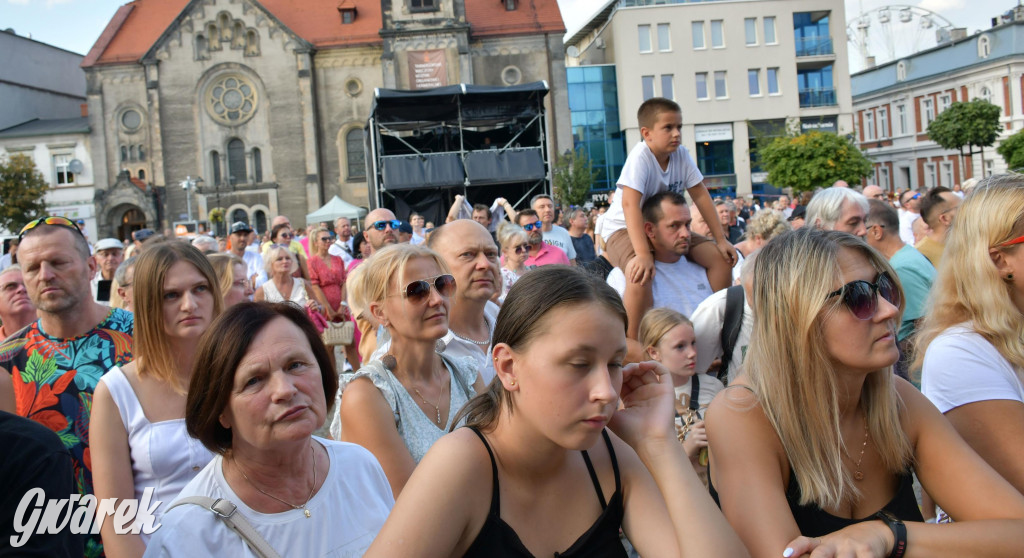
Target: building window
x=698 y=34
x=647 y=82
x=142 y=174
x=349 y=16
x=257 y=165
x=131 y=120
x=769 y=31
x=124 y=153
x=901 y=70
x=901 y=119
x=928 y=109
x=510 y=5
x=355 y=153
x=423 y=5
x=750 y=30
x=984 y=46
x=883 y=123
x=947 y=174
x=715 y=157
x=667 y=89
x=929 y=175
x=664 y=38
x=240 y=216
x=702 y=85
x=231 y=100
x=717 y=34
x=985 y=93
x=883 y=178
x=62 y=172
x=944 y=102
x=754 y=82
x=869 y=125
x=720 y=90
x=236 y=161
x=215 y=167
x=773 y=81
x=644 y=36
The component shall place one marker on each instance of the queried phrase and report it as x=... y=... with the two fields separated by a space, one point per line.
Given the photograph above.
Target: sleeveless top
x=298 y=295
x=164 y=456
x=497 y=538
x=417 y=430
x=816 y=522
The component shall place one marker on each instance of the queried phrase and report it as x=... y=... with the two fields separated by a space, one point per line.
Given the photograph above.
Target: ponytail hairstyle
x=519 y=322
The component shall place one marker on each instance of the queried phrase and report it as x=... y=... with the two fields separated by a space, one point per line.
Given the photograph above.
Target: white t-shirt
x=559 y=237
x=643 y=174
x=680 y=286
x=345 y=515
x=337 y=250
x=708 y=320
x=906 y=226
x=961 y=367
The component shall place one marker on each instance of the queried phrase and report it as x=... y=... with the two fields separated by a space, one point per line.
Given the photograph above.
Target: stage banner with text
x=427 y=68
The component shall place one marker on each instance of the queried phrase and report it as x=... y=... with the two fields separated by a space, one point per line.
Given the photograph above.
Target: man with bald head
x=874 y=192
x=380 y=227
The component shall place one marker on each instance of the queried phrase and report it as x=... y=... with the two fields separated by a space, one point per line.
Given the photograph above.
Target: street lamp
x=189 y=184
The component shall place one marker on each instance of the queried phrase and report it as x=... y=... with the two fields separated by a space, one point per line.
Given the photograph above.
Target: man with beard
x=52 y=367
x=380 y=227
x=16 y=310
x=541 y=253
x=679 y=284
x=342 y=245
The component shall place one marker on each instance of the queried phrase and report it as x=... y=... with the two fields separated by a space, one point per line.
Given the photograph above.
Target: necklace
x=302 y=507
x=490 y=332
x=437 y=408
x=857 y=474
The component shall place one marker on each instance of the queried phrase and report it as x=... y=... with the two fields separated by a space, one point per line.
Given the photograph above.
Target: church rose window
x=231 y=100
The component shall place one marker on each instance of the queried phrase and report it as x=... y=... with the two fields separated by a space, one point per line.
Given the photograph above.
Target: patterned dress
x=54 y=380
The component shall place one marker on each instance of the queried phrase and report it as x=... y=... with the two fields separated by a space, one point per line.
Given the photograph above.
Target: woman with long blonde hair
x=970 y=345
x=137 y=429
x=811 y=448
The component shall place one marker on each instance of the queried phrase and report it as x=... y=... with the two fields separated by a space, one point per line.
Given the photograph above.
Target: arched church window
x=356 y=154
x=236 y=161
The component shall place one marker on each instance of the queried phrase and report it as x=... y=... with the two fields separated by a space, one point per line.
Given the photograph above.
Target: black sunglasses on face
x=418 y=291
x=532 y=226
x=861 y=297
x=522 y=248
x=381 y=225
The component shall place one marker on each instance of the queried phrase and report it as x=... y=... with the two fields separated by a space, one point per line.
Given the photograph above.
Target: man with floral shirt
x=48 y=371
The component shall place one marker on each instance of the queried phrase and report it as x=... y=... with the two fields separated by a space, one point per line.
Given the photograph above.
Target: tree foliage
x=574 y=175
x=22 y=192
x=1012 y=151
x=814 y=159
x=966 y=124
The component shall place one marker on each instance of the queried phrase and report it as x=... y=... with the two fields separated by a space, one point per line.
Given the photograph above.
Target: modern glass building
x=594 y=110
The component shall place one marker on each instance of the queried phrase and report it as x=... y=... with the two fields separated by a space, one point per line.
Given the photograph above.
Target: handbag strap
x=225 y=510
x=731 y=326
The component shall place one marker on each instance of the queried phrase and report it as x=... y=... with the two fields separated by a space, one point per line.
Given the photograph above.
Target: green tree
x=1012 y=151
x=23 y=190
x=972 y=124
x=574 y=175
x=814 y=159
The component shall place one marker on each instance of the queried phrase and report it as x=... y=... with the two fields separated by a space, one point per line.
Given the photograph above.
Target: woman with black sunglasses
x=813 y=446
x=515 y=249
x=399 y=405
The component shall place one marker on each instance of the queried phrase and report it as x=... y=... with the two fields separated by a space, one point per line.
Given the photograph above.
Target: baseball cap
x=142 y=234
x=108 y=243
x=405 y=227
x=799 y=212
x=240 y=226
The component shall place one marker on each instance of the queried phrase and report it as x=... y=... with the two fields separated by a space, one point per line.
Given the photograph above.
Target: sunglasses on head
x=533 y=226
x=519 y=250
x=53 y=220
x=1018 y=240
x=381 y=225
x=418 y=291
x=861 y=297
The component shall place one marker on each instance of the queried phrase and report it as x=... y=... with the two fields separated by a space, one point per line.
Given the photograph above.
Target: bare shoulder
x=736 y=404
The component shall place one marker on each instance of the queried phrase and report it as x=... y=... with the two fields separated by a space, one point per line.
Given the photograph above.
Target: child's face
x=677 y=350
x=666 y=134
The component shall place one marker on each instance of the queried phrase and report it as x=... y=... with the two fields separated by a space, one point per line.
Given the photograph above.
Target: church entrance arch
x=126 y=220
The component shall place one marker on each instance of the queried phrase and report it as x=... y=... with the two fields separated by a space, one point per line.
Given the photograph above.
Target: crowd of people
x=673 y=375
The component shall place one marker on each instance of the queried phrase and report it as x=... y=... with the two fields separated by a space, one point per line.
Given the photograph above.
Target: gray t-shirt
x=559 y=237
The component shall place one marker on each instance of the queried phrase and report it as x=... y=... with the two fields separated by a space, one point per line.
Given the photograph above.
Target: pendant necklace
x=857 y=474
x=437 y=408
x=302 y=507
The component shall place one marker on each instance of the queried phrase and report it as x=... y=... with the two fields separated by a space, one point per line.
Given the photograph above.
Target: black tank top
x=497 y=539
x=816 y=522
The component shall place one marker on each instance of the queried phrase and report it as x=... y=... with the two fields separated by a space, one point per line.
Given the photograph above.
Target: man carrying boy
x=659 y=163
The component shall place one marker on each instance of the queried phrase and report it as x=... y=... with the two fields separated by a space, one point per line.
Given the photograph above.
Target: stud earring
x=512 y=383
x=1009 y=277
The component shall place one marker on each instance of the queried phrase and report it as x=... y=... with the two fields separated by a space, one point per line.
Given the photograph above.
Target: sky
x=76 y=24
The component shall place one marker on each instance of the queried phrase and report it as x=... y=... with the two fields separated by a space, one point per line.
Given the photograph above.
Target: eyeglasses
x=533 y=226
x=861 y=297
x=912 y=198
x=1018 y=240
x=54 y=220
x=519 y=250
x=381 y=225
x=418 y=291
x=325 y=239
x=284 y=235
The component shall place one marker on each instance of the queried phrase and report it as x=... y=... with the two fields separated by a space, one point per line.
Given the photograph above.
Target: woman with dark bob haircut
x=258 y=392
x=567 y=484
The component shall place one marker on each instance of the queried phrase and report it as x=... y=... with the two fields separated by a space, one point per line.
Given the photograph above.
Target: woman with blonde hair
x=234 y=285
x=811 y=448
x=137 y=427
x=281 y=286
x=762 y=227
x=399 y=405
x=970 y=342
x=515 y=247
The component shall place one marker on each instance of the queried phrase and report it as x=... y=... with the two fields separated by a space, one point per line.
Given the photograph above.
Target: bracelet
x=899 y=533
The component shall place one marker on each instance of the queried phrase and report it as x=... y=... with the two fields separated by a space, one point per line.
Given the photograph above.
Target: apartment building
x=740 y=70
x=894 y=103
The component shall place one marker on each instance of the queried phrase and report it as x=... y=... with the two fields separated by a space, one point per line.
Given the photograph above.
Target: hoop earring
x=1009 y=277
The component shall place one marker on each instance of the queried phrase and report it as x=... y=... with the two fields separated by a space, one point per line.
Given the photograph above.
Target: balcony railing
x=814 y=46
x=824 y=97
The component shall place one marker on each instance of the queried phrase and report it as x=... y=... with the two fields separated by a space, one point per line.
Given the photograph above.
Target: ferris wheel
x=891 y=32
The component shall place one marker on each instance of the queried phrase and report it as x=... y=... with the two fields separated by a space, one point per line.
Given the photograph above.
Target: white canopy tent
x=335 y=208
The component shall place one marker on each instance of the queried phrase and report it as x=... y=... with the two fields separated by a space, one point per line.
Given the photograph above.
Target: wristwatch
x=899 y=533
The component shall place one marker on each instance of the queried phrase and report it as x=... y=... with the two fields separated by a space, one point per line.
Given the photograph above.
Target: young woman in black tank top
x=812 y=447
x=537 y=473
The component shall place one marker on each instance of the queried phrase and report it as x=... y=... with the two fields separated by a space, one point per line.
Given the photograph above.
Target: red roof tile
x=137 y=25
